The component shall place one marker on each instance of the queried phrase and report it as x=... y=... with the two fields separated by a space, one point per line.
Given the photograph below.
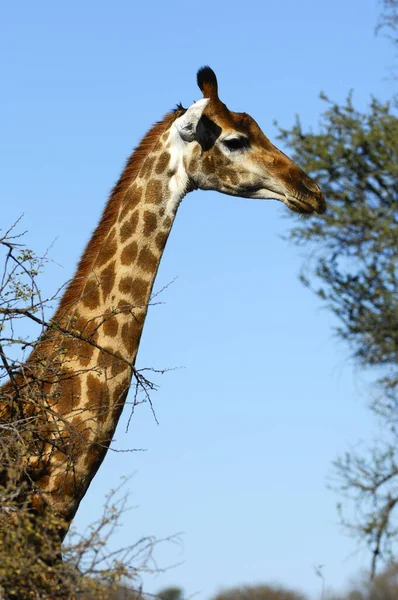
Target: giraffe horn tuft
x=207 y=82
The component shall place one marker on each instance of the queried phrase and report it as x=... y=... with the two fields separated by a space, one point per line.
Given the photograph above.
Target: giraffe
x=83 y=364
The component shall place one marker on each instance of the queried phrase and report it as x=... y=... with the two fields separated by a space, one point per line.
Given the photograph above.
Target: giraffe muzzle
x=309 y=204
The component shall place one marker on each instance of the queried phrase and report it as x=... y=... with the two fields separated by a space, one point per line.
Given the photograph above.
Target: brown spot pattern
x=147 y=260
x=83 y=326
x=150 y=222
x=107 y=252
x=162 y=163
x=125 y=210
x=71 y=346
x=108 y=279
x=69 y=394
x=167 y=222
x=94 y=456
x=134 y=220
x=126 y=335
x=132 y=198
x=129 y=336
x=153 y=191
x=160 y=240
x=111 y=326
x=96 y=390
x=85 y=353
x=127 y=230
x=91 y=297
x=119 y=398
x=126 y=285
x=77 y=422
x=147 y=167
x=129 y=253
x=80 y=430
x=76 y=348
x=65 y=483
x=140 y=290
x=123 y=307
x=136 y=289
x=118 y=366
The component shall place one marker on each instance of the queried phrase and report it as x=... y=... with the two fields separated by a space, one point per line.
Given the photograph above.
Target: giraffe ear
x=188 y=122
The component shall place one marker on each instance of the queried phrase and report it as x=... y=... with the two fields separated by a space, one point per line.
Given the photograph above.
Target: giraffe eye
x=237 y=143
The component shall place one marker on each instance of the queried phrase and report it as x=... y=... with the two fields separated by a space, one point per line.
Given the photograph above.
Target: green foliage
x=258 y=592
x=30 y=565
x=354 y=159
x=353 y=268
x=171 y=593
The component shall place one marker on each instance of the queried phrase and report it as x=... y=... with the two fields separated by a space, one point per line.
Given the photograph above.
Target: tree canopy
x=352 y=266
x=354 y=159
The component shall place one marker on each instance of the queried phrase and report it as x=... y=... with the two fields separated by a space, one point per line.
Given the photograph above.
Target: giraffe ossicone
x=80 y=370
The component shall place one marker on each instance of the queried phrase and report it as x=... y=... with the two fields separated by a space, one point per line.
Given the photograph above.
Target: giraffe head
x=227 y=151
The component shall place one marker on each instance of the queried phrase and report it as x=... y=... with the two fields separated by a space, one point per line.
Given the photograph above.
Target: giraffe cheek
x=193 y=166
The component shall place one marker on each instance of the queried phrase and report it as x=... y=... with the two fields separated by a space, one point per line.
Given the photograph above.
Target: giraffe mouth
x=306 y=206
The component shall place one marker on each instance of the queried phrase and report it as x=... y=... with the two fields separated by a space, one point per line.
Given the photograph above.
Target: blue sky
x=266 y=397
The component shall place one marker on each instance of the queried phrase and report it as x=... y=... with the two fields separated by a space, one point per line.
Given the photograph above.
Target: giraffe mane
x=75 y=287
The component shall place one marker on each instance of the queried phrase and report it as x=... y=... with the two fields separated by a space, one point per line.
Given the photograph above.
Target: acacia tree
x=353 y=269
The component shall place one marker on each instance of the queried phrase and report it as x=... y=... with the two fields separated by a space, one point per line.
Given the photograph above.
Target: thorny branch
x=13 y=289
x=89 y=565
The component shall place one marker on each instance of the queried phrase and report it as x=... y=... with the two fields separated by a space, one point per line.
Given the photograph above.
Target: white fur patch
x=178 y=149
x=187 y=123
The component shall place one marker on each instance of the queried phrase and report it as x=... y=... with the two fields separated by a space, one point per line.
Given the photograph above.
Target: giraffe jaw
x=305 y=206
x=297 y=205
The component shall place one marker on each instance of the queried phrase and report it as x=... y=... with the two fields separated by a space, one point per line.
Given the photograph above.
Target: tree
x=259 y=592
x=171 y=593
x=353 y=269
x=383 y=587
x=354 y=159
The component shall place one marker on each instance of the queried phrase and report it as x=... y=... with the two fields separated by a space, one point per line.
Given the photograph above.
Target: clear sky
x=267 y=397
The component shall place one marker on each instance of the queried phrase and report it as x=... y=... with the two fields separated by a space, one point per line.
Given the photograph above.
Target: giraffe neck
x=105 y=307
x=137 y=219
